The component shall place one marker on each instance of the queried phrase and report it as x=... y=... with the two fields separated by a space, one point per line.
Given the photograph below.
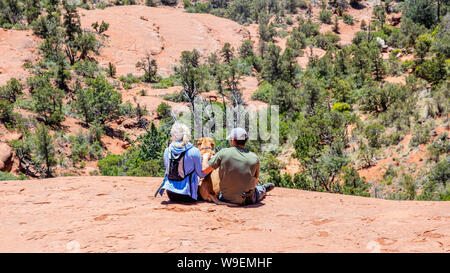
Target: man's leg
x=261 y=190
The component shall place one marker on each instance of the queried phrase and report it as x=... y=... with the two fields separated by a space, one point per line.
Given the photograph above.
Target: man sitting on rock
x=238 y=171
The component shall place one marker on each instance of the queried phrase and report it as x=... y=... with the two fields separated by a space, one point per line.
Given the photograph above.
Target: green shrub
x=264 y=92
x=327 y=40
x=421 y=135
x=86 y=69
x=341 y=107
x=8 y=176
x=110 y=165
x=147 y=168
x=176 y=97
x=128 y=80
x=163 y=83
x=348 y=19
x=163 y=110
x=325 y=16
x=200 y=7
x=289 y=21
x=169 y=2
x=374 y=134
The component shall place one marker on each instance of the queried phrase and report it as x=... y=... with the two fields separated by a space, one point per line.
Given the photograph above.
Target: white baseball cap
x=238 y=134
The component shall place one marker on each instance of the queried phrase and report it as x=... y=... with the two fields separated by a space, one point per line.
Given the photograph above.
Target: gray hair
x=180 y=132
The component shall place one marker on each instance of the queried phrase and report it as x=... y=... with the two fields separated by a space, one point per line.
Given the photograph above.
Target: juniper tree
x=32 y=10
x=246 y=49
x=12 y=90
x=150 y=68
x=111 y=70
x=47 y=102
x=227 y=53
x=99 y=101
x=10 y=11
x=45 y=151
x=189 y=72
x=71 y=22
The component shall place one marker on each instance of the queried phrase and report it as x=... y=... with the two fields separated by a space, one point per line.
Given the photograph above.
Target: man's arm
x=212 y=164
x=207 y=170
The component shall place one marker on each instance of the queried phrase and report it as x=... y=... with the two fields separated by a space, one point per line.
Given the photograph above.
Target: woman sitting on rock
x=183 y=164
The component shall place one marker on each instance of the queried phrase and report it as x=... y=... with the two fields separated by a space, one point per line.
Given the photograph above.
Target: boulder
x=6 y=154
x=130 y=123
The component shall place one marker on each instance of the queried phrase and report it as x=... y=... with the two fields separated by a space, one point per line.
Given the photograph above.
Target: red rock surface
x=120 y=214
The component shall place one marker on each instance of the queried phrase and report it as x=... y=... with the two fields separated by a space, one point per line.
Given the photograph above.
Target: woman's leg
x=175 y=197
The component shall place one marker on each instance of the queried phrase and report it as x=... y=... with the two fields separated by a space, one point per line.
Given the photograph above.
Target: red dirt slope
x=163 y=32
x=16 y=47
x=119 y=214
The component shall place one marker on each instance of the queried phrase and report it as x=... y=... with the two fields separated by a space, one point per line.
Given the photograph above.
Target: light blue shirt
x=192 y=163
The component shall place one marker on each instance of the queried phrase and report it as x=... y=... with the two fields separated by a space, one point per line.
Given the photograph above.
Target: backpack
x=175 y=170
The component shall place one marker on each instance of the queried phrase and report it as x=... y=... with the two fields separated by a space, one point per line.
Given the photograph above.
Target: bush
x=7 y=176
x=12 y=90
x=163 y=83
x=327 y=40
x=128 y=80
x=421 y=135
x=86 y=69
x=437 y=186
x=374 y=134
x=264 y=92
x=348 y=19
x=289 y=21
x=433 y=70
x=325 y=16
x=6 y=111
x=176 y=97
x=353 y=184
x=199 y=7
x=146 y=168
x=341 y=107
x=110 y=165
x=163 y=110
x=169 y=2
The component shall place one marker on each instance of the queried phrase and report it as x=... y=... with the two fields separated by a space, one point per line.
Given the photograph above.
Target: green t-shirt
x=238 y=171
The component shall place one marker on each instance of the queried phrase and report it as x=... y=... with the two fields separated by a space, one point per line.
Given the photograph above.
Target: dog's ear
x=199 y=142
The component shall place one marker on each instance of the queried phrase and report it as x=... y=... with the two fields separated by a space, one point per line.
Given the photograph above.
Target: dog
x=209 y=187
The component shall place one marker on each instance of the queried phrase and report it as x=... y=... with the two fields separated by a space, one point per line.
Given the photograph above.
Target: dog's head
x=205 y=144
x=206 y=147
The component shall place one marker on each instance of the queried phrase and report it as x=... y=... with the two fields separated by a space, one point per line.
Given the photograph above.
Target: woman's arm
x=197 y=158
